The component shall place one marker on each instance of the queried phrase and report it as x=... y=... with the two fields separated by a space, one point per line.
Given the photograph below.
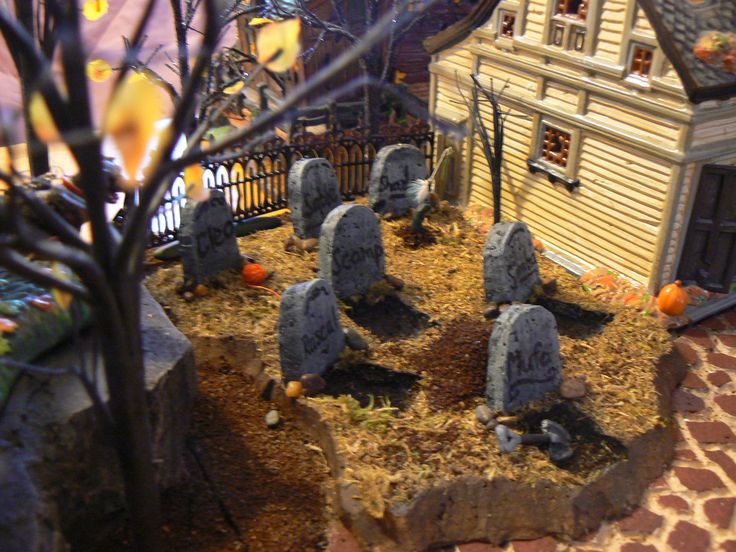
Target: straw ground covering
x=391 y=454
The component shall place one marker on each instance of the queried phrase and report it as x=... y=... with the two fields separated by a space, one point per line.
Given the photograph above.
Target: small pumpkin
x=254 y=274
x=672 y=299
x=294 y=389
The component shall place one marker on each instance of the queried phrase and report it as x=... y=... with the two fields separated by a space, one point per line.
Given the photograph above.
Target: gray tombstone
x=523 y=357
x=393 y=169
x=313 y=192
x=310 y=334
x=207 y=238
x=351 y=255
x=510 y=269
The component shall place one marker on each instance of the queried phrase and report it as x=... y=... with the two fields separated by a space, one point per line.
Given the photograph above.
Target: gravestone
x=207 y=238
x=313 y=192
x=393 y=169
x=351 y=255
x=510 y=269
x=310 y=334
x=523 y=357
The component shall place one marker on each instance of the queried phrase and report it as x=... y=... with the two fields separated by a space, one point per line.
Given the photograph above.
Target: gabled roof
x=678 y=24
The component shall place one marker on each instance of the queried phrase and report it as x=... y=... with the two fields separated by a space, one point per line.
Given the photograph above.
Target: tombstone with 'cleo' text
x=207 y=238
x=310 y=335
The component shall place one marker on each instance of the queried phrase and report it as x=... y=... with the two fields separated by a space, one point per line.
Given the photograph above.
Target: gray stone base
x=59 y=478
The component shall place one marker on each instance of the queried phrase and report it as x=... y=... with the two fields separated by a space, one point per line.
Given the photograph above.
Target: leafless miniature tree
x=492 y=141
x=109 y=268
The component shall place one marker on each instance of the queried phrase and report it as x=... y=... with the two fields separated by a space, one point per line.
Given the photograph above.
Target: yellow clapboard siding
x=562 y=97
x=642 y=25
x=592 y=244
x=536 y=20
x=587 y=197
x=714 y=131
x=649 y=127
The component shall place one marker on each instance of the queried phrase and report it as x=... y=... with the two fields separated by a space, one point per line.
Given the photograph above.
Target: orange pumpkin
x=294 y=389
x=672 y=299
x=254 y=274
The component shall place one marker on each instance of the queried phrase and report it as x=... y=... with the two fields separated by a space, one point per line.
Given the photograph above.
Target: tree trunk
x=122 y=348
x=38 y=155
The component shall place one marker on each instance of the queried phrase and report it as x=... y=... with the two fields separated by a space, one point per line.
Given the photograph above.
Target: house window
x=578 y=39
x=573 y=8
x=558 y=34
x=506 y=23
x=555 y=146
x=641 y=61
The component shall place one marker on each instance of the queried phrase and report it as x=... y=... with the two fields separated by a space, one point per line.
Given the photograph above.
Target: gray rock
x=523 y=358
x=355 y=341
x=573 y=388
x=394 y=168
x=483 y=413
x=63 y=466
x=510 y=269
x=309 y=329
x=273 y=418
x=351 y=254
x=313 y=192
x=207 y=238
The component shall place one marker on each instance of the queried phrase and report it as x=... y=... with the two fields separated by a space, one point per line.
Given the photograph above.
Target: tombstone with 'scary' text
x=207 y=238
x=310 y=335
x=351 y=255
x=394 y=168
x=313 y=192
x=510 y=269
x=523 y=358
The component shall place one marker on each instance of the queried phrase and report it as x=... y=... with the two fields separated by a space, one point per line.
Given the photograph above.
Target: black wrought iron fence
x=256 y=183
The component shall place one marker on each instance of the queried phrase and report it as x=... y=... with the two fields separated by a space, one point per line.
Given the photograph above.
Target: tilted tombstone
x=207 y=238
x=313 y=192
x=393 y=169
x=351 y=254
x=510 y=269
x=310 y=334
x=523 y=358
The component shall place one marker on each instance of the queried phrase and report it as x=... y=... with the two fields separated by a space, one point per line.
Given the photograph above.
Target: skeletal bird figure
x=420 y=190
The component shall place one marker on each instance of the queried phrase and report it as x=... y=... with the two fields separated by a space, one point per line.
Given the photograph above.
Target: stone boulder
x=59 y=475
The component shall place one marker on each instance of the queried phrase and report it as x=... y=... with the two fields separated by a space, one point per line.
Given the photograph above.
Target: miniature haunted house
x=619 y=147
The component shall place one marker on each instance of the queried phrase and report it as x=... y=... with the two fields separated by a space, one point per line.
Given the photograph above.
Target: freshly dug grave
x=428 y=474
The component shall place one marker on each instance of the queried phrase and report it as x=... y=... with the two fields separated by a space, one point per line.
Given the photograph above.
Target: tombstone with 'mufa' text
x=207 y=238
x=394 y=168
x=523 y=358
x=351 y=254
x=309 y=331
x=313 y=192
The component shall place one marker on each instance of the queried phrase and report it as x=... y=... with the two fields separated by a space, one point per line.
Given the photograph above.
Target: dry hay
x=394 y=459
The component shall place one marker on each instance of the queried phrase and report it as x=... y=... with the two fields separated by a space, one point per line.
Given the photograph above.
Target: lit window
x=573 y=8
x=506 y=24
x=641 y=61
x=555 y=146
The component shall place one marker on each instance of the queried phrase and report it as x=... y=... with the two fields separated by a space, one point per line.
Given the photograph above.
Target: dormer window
x=641 y=61
x=569 y=26
x=576 y=9
x=506 y=22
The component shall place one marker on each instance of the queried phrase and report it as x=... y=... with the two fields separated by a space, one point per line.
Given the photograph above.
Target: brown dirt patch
x=454 y=364
x=269 y=481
